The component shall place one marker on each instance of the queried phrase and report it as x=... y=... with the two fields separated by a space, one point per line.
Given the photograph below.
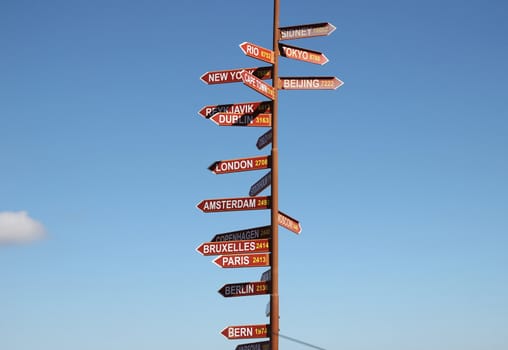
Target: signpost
x=238 y=108
x=240 y=164
x=244 y=289
x=233 y=75
x=246 y=332
x=259 y=246
x=242 y=260
x=234 y=247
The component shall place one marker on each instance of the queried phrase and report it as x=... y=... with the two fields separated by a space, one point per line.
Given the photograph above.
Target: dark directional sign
x=234 y=247
x=233 y=75
x=233 y=119
x=247 y=234
x=238 y=108
x=288 y=222
x=300 y=54
x=234 y=204
x=261 y=184
x=310 y=83
x=244 y=289
x=255 y=51
x=246 y=331
x=305 y=31
x=240 y=164
x=264 y=140
x=242 y=260
x=264 y=345
x=266 y=276
x=258 y=85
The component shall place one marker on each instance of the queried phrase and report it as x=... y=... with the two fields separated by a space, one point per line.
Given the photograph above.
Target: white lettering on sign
x=230 y=204
x=252 y=50
x=296 y=53
x=218 y=77
x=234 y=260
x=301 y=83
x=238 y=119
x=234 y=165
x=239 y=332
x=295 y=33
x=230 y=247
x=239 y=289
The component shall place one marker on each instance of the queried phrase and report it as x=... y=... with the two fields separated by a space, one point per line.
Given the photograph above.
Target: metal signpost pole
x=274 y=256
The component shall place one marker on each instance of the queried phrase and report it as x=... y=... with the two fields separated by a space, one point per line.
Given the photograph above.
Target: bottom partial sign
x=242 y=235
x=247 y=331
x=288 y=222
x=243 y=260
x=263 y=345
x=244 y=289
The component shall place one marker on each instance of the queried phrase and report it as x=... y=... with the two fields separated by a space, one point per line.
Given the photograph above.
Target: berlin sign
x=244 y=289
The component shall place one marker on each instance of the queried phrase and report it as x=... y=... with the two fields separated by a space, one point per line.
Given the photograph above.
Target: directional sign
x=240 y=164
x=268 y=309
x=300 y=54
x=234 y=247
x=305 y=31
x=309 y=83
x=244 y=289
x=264 y=345
x=234 y=204
x=233 y=75
x=258 y=85
x=288 y=222
x=266 y=276
x=255 y=51
x=238 y=108
x=261 y=184
x=233 y=119
x=247 y=331
x=242 y=260
x=247 y=234
x=264 y=139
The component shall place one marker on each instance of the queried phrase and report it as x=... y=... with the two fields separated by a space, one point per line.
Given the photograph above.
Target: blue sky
x=398 y=178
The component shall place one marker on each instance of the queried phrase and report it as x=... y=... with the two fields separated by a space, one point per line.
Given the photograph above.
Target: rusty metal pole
x=274 y=256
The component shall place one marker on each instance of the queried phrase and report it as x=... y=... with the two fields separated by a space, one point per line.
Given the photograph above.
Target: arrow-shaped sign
x=244 y=289
x=255 y=51
x=233 y=119
x=246 y=331
x=234 y=204
x=233 y=75
x=261 y=184
x=242 y=260
x=238 y=108
x=288 y=222
x=240 y=164
x=264 y=140
x=305 y=31
x=309 y=83
x=300 y=54
x=247 y=234
x=258 y=85
x=234 y=247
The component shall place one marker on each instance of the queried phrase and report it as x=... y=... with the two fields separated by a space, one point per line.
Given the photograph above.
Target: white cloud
x=18 y=227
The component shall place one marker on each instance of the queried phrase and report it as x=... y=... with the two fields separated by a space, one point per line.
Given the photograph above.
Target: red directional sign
x=305 y=31
x=238 y=108
x=310 y=83
x=247 y=331
x=234 y=247
x=261 y=184
x=263 y=345
x=234 y=204
x=233 y=119
x=233 y=75
x=300 y=54
x=255 y=51
x=242 y=260
x=247 y=234
x=288 y=222
x=258 y=85
x=244 y=289
x=240 y=164
x=264 y=140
